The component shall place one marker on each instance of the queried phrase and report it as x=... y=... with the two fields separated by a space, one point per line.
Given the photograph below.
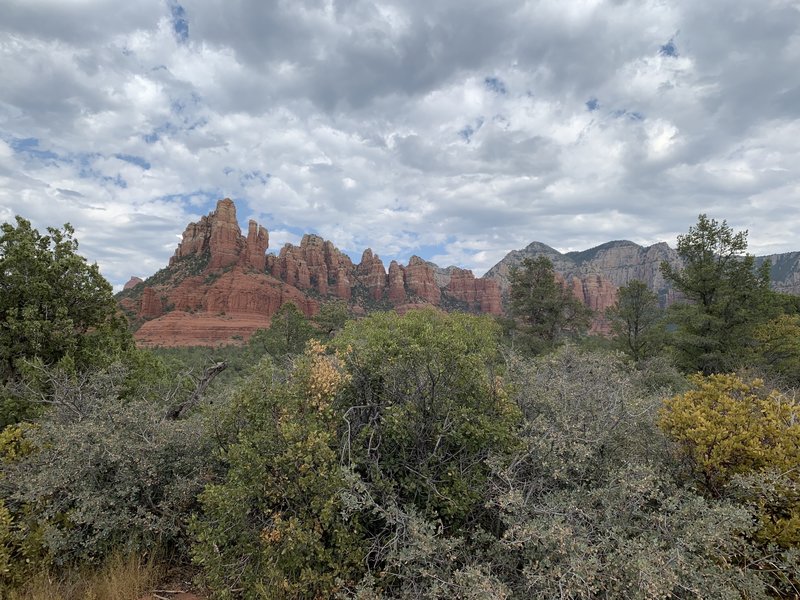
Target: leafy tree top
x=53 y=304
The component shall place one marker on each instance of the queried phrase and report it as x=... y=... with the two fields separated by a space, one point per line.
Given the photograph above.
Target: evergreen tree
x=288 y=333
x=547 y=311
x=726 y=297
x=634 y=320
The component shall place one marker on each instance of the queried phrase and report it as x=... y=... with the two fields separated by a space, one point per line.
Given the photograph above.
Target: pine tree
x=727 y=297
x=547 y=311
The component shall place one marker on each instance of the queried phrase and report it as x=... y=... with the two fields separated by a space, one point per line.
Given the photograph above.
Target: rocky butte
x=220 y=285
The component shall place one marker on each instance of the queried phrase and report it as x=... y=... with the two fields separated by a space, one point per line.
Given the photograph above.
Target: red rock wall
x=481 y=295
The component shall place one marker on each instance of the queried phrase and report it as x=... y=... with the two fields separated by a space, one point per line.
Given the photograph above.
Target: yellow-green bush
x=736 y=432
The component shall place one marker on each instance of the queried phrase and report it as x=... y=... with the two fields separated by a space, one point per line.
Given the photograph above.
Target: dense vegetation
x=428 y=455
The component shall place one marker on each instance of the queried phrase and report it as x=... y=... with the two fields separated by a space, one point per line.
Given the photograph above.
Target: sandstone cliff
x=785 y=271
x=220 y=286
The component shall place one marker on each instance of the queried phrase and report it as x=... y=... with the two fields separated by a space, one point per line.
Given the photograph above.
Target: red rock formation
x=225 y=241
x=421 y=281
x=235 y=303
x=218 y=234
x=256 y=246
x=481 y=295
x=397 y=289
x=195 y=240
x=314 y=264
x=179 y=328
x=132 y=282
x=240 y=287
x=598 y=293
x=151 y=306
x=372 y=274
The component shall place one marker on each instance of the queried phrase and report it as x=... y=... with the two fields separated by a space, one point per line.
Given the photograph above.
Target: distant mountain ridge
x=622 y=261
x=221 y=285
x=616 y=263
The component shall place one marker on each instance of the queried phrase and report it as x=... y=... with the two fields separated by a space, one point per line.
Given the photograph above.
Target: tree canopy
x=546 y=309
x=54 y=306
x=726 y=296
x=634 y=320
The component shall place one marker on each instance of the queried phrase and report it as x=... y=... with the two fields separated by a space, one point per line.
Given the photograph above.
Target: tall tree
x=54 y=306
x=634 y=320
x=726 y=296
x=546 y=309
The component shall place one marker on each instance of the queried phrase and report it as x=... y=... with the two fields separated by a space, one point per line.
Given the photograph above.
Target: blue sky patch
x=669 y=49
x=468 y=131
x=180 y=24
x=30 y=146
x=134 y=160
x=255 y=175
x=495 y=84
x=632 y=115
x=592 y=104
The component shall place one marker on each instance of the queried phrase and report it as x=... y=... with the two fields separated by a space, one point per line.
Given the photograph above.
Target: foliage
x=635 y=320
x=588 y=505
x=632 y=535
x=423 y=411
x=332 y=317
x=728 y=427
x=424 y=408
x=726 y=295
x=778 y=348
x=274 y=526
x=586 y=414
x=546 y=309
x=54 y=307
x=104 y=471
x=287 y=334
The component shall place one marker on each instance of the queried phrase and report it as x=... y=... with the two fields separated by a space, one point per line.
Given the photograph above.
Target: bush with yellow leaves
x=742 y=440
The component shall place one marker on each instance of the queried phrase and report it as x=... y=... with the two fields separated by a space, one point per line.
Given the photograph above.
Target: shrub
x=274 y=528
x=728 y=427
x=104 y=472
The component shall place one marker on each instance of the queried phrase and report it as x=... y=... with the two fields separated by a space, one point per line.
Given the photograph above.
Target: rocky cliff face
x=218 y=237
x=785 y=271
x=594 y=273
x=220 y=286
x=597 y=273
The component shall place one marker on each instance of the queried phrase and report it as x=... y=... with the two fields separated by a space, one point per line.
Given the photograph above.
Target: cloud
x=412 y=127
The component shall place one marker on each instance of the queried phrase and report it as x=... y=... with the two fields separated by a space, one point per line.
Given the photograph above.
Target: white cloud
x=411 y=127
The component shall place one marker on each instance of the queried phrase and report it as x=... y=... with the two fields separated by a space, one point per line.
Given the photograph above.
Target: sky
x=455 y=130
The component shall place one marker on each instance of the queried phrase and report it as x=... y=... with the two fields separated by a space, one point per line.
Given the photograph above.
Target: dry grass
x=121 y=578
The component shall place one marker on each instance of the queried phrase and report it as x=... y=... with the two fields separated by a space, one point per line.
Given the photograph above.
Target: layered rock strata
x=220 y=286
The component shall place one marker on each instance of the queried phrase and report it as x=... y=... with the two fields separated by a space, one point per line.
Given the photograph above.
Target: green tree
x=332 y=317
x=634 y=320
x=546 y=309
x=54 y=307
x=287 y=335
x=726 y=297
x=778 y=348
x=424 y=409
